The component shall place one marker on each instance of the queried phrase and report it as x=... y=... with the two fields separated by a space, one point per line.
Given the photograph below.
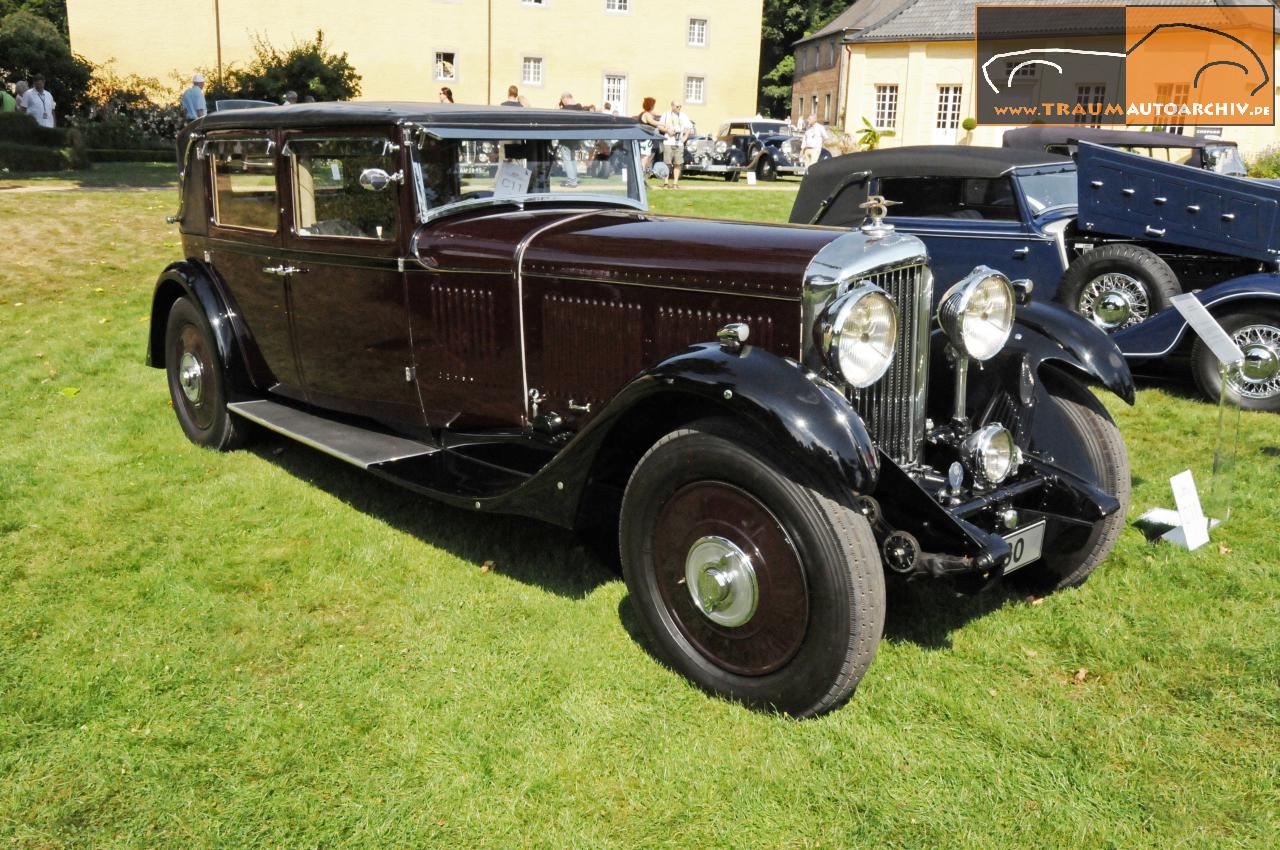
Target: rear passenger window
x=330 y=198
x=244 y=181
x=951 y=197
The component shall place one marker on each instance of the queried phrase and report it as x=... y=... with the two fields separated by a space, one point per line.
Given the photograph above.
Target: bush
x=108 y=155
x=30 y=44
x=1266 y=164
x=306 y=68
x=130 y=113
x=23 y=130
x=16 y=157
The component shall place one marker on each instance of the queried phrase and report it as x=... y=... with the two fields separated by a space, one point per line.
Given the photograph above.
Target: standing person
x=446 y=94
x=815 y=136
x=676 y=126
x=648 y=118
x=513 y=97
x=38 y=103
x=7 y=102
x=19 y=89
x=290 y=98
x=193 y=104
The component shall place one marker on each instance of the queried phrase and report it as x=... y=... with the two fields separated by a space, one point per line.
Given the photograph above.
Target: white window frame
x=690 y=33
x=436 y=65
x=1089 y=94
x=542 y=71
x=950 y=99
x=618 y=103
x=701 y=100
x=541 y=4
x=617 y=7
x=886 y=106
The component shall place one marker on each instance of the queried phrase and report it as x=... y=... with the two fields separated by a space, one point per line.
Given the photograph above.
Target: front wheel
x=197 y=383
x=756 y=586
x=1077 y=430
x=1118 y=286
x=768 y=170
x=1257 y=386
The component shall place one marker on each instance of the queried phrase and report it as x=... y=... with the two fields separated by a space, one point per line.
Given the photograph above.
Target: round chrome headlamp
x=691 y=145
x=991 y=453
x=858 y=334
x=977 y=313
x=722 y=146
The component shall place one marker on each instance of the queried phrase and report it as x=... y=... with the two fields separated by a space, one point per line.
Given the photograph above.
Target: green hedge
x=1267 y=164
x=107 y=155
x=15 y=157
x=23 y=130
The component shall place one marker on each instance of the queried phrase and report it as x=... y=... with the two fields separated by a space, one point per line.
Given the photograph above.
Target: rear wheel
x=197 y=382
x=1118 y=286
x=1257 y=332
x=757 y=587
x=1088 y=444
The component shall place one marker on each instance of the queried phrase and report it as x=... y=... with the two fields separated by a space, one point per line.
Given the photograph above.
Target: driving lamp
x=991 y=453
x=859 y=333
x=722 y=146
x=977 y=313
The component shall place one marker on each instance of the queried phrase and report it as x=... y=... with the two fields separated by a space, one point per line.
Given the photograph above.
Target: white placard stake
x=1192 y=530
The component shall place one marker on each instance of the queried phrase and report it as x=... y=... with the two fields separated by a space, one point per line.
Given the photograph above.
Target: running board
x=353 y=444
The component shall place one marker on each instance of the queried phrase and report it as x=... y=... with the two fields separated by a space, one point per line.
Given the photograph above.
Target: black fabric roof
x=364 y=113
x=1036 y=138
x=826 y=176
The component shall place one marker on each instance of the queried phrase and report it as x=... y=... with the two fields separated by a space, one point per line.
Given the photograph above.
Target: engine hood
x=668 y=251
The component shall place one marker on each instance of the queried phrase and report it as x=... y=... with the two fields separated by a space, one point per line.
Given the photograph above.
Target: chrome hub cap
x=1261 y=370
x=191 y=377
x=721 y=581
x=1113 y=301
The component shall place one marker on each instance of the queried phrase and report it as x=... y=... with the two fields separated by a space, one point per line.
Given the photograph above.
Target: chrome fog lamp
x=858 y=334
x=991 y=453
x=722 y=146
x=977 y=313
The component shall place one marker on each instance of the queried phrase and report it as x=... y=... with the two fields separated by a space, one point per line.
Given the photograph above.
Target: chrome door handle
x=1155 y=231
x=1228 y=216
x=282 y=270
x=1021 y=252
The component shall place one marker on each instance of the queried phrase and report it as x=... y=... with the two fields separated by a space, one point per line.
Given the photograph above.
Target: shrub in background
x=30 y=44
x=307 y=68
x=1266 y=164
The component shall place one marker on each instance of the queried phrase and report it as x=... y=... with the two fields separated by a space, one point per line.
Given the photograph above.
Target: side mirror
x=377 y=180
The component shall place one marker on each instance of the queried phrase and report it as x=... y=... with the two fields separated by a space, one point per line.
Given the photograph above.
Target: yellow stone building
x=704 y=52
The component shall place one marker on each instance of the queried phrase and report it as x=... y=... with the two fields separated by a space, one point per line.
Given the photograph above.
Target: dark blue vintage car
x=767 y=147
x=1112 y=235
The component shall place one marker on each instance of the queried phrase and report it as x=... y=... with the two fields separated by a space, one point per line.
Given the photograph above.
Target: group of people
x=31 y=99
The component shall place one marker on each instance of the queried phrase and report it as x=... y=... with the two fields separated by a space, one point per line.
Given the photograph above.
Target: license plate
x=1026 y=544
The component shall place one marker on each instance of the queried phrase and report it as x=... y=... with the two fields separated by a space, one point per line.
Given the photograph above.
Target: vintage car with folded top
x=768 y=417
x=761 y=145
x=1112 y=235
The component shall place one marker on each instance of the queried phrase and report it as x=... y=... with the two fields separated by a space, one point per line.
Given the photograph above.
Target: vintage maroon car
x=460 y=300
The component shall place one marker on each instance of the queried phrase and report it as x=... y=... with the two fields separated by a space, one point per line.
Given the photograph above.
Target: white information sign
x=1192 y=530
x=511 y=180
x=1207 y=328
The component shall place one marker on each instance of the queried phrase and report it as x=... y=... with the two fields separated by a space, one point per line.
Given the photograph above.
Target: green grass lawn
x=271 y=649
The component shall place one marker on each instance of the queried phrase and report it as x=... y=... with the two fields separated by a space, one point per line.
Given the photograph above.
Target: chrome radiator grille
x=893 y=408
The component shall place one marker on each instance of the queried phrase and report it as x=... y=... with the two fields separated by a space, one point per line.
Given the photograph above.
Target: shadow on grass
x=104 y=175
x=927 y=612
x=526 y=550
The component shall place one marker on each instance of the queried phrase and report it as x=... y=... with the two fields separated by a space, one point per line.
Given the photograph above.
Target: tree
x=784 y=22
x=32 y=45
x=306 y=68
x=54 y=11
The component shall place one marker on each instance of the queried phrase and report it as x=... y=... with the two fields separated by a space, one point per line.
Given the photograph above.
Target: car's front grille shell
x=893 y=408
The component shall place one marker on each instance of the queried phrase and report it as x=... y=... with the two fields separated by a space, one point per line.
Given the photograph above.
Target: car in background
x=1217 y=155
x=767 y=147
x=768 y=417
x=1113 y=236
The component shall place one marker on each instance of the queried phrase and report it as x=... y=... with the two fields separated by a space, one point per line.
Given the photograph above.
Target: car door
x=244 y=248
x=341 y=257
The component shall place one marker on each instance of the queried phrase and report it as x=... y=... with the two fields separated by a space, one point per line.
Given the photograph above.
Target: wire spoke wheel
x=1260 y=378
x=1115 y=301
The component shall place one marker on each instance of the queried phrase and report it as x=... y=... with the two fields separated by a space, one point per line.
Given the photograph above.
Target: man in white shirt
x=193 y=103
x=676 y=128
x=815 y=136
x=38 y=103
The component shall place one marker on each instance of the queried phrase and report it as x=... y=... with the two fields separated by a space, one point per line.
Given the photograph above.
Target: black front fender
x=189 y=279
x=1047 y=333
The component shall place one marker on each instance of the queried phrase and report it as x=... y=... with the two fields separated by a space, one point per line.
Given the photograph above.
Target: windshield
x=1045 y=190
x=771 y=128
x=449 y=172
x=1225 y=159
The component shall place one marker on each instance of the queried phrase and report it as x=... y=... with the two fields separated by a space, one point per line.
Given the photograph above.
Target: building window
x=948 y=107
x=826 y=108
x=831 y=54
x=533 y=2
x=617 y=5
x=1177 y=94
x=695 y=89
x=887 y=107
x=1090 y=97
x=1021 y=72
x=445 y=67
x=697 y=32
x=615 y=91
x=814 y=109
x=531 y=71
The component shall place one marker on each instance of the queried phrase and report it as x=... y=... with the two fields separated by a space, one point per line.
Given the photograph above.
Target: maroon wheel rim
x=775 y=630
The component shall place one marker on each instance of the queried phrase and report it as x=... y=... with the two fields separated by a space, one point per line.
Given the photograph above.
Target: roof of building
x=953 y=20
x=1037 y=138
x=859 y=15
x=841 y=178
x=441 y=115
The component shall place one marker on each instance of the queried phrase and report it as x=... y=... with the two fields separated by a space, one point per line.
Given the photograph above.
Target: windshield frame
x=425 y=214
x=1020 y=174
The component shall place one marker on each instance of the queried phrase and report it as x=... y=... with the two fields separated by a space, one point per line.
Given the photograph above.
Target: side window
x=951 y=197
x=244 y=183
x=329 y=196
